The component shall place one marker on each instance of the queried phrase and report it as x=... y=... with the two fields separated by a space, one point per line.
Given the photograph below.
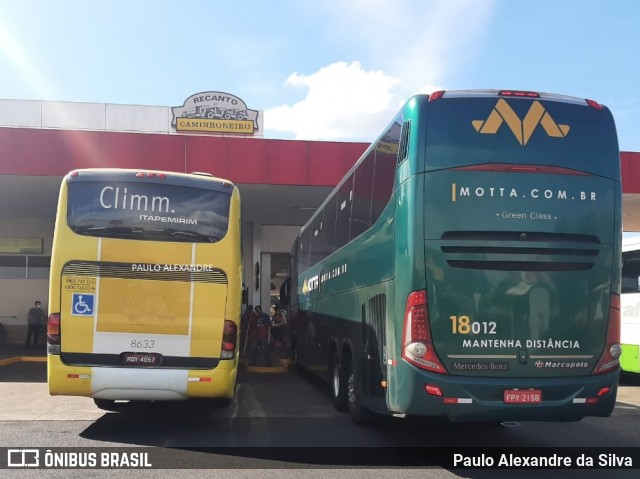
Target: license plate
x=141 y=359
x=522 y=396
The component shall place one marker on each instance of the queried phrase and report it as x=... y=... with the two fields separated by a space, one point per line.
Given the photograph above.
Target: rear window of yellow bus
x=145 y=211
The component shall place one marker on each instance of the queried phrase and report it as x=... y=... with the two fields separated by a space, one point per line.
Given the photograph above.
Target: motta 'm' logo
x=521 y=129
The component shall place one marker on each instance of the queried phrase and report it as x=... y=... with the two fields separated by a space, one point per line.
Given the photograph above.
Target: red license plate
x=141 y=359
x=522 y=396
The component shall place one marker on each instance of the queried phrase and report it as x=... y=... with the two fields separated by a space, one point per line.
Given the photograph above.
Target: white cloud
x=343 y=101
x=406 y=47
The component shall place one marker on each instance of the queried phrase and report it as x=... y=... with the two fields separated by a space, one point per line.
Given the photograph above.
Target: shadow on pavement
x=24 y=372
x=630 y=379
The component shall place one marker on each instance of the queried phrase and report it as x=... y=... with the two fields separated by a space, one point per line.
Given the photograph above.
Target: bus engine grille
x=520 y=251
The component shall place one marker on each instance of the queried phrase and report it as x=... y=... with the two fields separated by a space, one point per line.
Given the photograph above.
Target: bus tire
x=221 y=403
x=359 y=414
x=295 y=354
x=208 y=404
x=109 y=405
x=338 y=384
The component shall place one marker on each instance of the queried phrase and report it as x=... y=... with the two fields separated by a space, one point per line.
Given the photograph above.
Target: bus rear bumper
x=483 y=399
x=114 y=383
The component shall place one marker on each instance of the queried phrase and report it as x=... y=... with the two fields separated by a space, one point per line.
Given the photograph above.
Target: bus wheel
x=359 y=414
x=208 y=404
x=295 y=355
x=339 y=384
x=221 y=403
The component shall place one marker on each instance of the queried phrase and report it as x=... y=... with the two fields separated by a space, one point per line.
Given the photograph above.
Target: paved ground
x=23 y=375
x=284 y=410
x=17 y=350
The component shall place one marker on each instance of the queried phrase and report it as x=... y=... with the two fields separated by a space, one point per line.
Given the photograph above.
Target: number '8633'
x=143 y=343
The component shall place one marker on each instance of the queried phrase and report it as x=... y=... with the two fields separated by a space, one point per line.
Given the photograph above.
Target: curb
x=26 y=359
x=270 y=369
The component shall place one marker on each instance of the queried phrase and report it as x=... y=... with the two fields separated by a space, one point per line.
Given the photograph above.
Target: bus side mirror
x=285 y=292
x=245 y=295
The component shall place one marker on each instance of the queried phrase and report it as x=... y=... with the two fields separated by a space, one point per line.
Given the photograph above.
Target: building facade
x=281 y=181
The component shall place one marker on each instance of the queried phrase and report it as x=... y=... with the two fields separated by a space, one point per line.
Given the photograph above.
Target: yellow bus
x=146 y=286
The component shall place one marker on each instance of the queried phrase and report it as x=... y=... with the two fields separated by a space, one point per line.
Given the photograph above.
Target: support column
x=265 y=282
x=254 y=294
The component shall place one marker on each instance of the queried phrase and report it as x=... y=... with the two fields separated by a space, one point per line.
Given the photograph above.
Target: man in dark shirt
x=35 y=320
x=261 y=338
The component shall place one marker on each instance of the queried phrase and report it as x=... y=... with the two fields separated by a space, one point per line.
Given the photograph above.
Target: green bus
x=468 y=265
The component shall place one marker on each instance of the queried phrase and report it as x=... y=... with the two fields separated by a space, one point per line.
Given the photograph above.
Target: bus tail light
x=53 y=334
x=515 y=168
x=433 y=390
x=150 y=174
x=594 y=104
x=417 y=346
x=594 y=400
x=436 y=95
x=519 y=94
x=229 y=339
x=610 y=358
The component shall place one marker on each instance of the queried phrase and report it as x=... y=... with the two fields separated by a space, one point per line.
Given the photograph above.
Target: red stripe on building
x=42 y=152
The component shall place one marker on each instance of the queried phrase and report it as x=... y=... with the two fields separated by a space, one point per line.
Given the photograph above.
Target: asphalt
x=28 y=364
x=275 y=361
x=11 y=352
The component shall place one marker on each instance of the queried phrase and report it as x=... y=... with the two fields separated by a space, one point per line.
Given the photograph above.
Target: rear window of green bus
x=471 y=131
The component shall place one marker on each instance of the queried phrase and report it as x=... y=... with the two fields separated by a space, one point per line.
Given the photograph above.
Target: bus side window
x=383 y=179
x=315 y=236
x=362 y=192
x=328 y=227
x=403 y=146
x=303 y=251
x=343 y=213
x=631 y=272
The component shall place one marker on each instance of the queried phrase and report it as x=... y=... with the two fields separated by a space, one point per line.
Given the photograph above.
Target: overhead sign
x=21 y=245
x=215 y=112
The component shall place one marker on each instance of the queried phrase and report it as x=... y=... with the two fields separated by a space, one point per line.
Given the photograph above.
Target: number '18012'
x=464 y=325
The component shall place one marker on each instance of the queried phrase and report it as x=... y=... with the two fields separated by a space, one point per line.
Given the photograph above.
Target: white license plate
x=141 y=359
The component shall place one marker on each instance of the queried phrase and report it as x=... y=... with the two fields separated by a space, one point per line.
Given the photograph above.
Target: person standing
x=35 y=320
x=261 y=338
x=277 y=327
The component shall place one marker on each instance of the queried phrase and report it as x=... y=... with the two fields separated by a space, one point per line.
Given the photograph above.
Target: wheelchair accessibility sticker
x=82 y=304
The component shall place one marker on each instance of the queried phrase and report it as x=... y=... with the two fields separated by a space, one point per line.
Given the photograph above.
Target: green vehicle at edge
x=468 y=265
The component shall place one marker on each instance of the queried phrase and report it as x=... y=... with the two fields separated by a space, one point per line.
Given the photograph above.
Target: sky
x=321 y=70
